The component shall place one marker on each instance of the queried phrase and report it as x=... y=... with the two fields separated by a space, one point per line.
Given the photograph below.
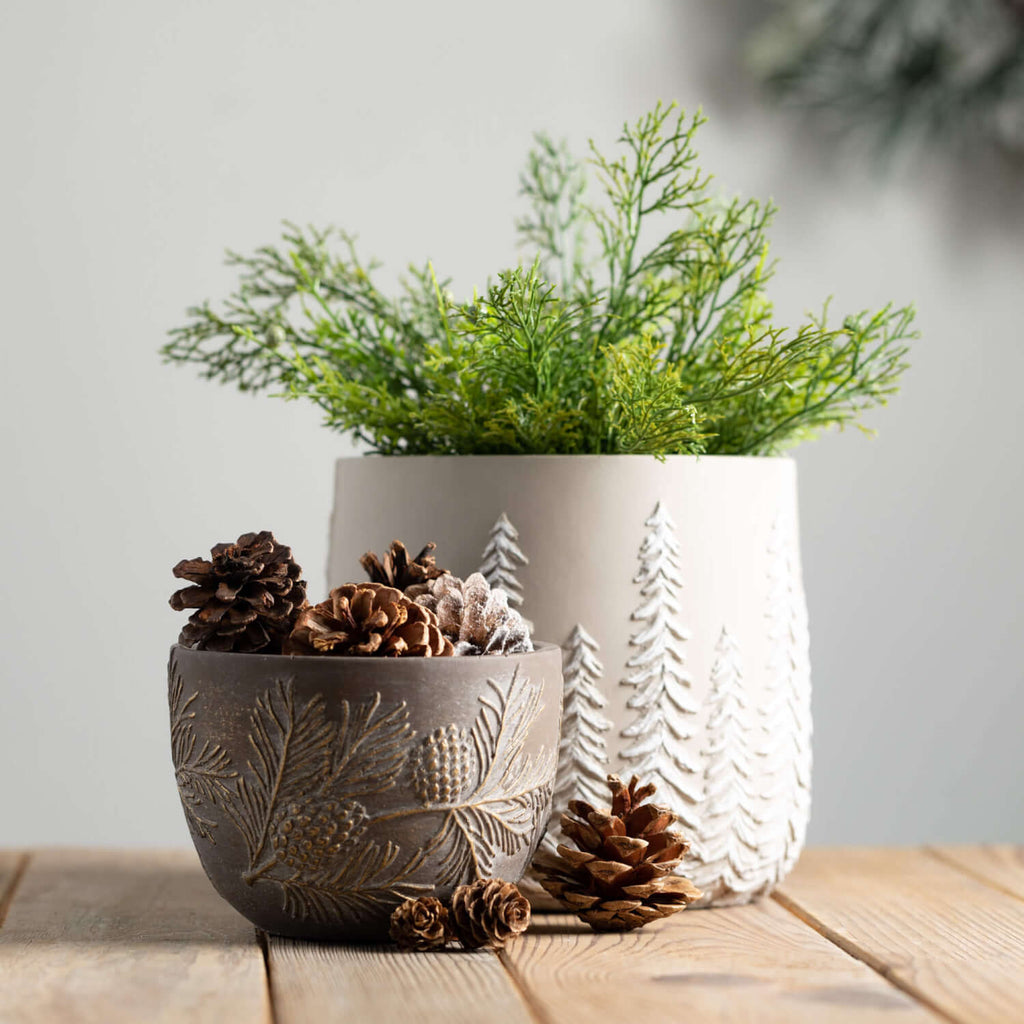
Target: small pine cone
x=247 y=596
x=420 y=925
x=368 y=619
x=396 y=569
x=620 y=876
x=476 y=618
x=489 y=912
x=306 y=835
x=441 y=766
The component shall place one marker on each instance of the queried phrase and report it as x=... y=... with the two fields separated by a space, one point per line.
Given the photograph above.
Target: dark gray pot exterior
x=320 y=791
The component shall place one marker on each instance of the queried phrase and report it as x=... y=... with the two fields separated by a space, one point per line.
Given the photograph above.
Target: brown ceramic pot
x=322 y=791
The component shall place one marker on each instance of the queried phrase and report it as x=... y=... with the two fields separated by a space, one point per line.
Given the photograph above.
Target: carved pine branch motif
x=510 y=790
x=299 y=803
x=203 y=773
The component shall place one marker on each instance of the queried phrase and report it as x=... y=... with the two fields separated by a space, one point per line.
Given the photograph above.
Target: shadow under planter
x=322 y=791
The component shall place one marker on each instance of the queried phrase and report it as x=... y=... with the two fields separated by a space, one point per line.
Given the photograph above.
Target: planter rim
x=539 y=647
x=637 y=458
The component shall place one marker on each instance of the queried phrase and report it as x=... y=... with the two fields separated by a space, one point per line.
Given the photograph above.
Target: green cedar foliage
x=642 y=326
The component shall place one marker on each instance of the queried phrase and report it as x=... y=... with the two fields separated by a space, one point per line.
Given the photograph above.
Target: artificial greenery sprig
x=606 y=343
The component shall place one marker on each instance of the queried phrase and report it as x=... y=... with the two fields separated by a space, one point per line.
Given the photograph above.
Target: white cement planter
x=674 y=588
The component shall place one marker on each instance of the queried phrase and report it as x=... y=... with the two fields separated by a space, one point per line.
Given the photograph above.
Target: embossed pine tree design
x=725 y=861
x=583 y=749
x=786 y=713
x=502 y=557
x=663 y=702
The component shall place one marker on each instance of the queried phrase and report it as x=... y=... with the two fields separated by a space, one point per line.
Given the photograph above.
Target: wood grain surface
x=948 y=939
x=131 y=937
x=1001 y=866
x=854 y=936
x=751 y=963
x=331 y=984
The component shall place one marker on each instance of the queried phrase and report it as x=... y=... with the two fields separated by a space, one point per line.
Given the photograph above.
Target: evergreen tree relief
x=662 y=702
x=502 y=557
x=583 y=749
x=726 y=862
x=786 y=713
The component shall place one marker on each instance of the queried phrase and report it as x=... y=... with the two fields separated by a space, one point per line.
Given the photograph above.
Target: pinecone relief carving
x=307 y=834
x=442 y=766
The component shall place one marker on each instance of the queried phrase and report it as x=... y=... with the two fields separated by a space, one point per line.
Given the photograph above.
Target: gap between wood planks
x=264 y=943
x=7 y=896
x=530 y=1001
x=876 y=963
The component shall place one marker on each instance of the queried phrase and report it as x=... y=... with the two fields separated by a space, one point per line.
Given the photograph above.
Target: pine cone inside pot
x=489 y=912
x=368 y=619
x=620 y=877
x=396 y=569
x=420 y=925
x=476 y=618
x=246 y=597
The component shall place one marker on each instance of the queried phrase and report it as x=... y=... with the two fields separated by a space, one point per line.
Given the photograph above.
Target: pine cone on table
x=396 y=569
x=368 y=619
x=489 y=912
x=246 y=597
x=620 y=877
x=420 y=925
x=476 y=618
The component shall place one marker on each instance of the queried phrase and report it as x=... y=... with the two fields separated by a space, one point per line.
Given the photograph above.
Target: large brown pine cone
x=620 y=877
x=247 y=596
x=476 y=618
x=489 y=912
x=420 y=925
x=368 y=619
x=397 y=569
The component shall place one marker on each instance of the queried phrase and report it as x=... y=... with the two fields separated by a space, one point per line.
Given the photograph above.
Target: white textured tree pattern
x=663 y=701
x=583 y=750
x=786 y=712
x=724 y=862
x=502 y=557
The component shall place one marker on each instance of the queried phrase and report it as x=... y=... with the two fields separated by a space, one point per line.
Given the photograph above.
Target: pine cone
x=304 y=836
x=247 y=597
x=489 y=912
x=620 y=877
x=368 y=618
x=441 y=766
x=420 y=925
x=397 y=570
x=476 y=618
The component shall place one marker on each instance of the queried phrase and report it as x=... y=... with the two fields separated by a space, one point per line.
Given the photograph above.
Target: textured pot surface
x=675 y=588
x=322 y=791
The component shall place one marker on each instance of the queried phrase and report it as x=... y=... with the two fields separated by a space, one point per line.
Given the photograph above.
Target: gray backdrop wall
x=141 y=139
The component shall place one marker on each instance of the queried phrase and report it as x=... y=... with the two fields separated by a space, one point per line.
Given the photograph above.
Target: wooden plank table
x=854 y=935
